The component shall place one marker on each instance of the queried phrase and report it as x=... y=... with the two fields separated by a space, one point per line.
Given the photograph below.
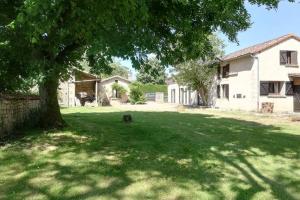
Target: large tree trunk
x=50 y=111
x=204 y=96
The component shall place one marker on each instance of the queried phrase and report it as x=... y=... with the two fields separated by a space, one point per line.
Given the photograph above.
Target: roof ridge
x=259 y=47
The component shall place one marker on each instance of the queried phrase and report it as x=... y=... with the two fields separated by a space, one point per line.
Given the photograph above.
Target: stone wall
x=16 y=111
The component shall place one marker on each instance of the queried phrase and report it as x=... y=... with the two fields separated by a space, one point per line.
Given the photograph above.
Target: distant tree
x=117 y=70
x=200 y=74
x=152 y=72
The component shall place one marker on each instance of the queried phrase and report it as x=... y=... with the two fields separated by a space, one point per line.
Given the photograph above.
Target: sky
x=266 y=25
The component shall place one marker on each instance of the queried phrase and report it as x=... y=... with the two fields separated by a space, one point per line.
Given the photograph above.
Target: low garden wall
x=16 y=111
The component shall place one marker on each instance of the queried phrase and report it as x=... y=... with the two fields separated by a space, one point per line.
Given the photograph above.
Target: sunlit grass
x=161 y=155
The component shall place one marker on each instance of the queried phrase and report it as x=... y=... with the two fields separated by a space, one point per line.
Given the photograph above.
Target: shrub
x=120 y=89
x=136 y=95
x=151 y=88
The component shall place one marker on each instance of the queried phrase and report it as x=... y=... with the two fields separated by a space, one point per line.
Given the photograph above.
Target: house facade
x=264 y=73
x=84 y=88
x=267 y=72
x=179 y=94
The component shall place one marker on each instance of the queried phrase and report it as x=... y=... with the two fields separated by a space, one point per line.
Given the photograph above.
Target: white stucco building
x=179 y=94
x=91 y=88
x=266 y=72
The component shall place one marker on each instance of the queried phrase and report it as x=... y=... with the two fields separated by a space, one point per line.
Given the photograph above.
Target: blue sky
x=266 y=25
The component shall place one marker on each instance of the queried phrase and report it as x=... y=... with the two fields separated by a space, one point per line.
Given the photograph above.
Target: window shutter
x=289 y=88
x=264 y=88
x=294 y=57
x=283 y=57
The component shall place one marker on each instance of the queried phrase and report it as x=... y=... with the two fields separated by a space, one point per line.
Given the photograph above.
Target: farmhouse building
x=88 y=89
x=247 y=79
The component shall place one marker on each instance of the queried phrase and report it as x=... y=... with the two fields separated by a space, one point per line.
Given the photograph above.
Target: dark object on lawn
x=127 y=118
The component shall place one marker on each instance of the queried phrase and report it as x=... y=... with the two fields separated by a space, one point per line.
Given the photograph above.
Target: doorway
x=296 y=98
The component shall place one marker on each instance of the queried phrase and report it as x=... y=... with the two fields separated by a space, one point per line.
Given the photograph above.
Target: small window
x=271 y=88
x=116 y=81
x=225 y=73
x=288 y=58
x=225 y=89
x=275 y=88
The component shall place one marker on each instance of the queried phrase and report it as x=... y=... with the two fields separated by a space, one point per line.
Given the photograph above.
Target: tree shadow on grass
x=160 y=155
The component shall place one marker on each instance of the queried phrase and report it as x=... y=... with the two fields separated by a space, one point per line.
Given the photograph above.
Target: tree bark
x=50 y=111
x=203 y=95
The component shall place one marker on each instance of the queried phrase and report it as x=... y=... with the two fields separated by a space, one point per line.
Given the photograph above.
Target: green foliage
x=117 y=70
x=119 y=88
x=199 y=74
x=152 y=72
x=136 y=95
x=48 y=38
x=54 y=35
x=150 y=88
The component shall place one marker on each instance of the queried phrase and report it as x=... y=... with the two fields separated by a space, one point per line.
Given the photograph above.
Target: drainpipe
x=258 y=81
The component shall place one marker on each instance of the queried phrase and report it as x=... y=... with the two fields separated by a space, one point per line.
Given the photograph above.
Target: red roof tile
x=259 y=47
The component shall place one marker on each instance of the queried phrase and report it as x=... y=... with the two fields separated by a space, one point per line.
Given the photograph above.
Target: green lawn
x=161 y=155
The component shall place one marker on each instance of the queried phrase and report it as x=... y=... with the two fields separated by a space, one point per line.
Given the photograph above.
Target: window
x=218 y=91
x=116 y=81
x=271 y=88
x=225 y=73
x=225 y=89
x=288 y=58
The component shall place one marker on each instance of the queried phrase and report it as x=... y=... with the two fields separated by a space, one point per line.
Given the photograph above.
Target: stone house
x=88 y=89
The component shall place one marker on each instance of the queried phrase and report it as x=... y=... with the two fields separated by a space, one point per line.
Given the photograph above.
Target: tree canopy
x=45 y=39
x=152 y=72
x=117 y=69
x=199 y=74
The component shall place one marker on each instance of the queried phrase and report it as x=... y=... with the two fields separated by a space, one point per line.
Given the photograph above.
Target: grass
x=161 y=155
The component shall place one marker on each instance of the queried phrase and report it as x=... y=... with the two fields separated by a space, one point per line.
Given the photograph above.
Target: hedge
x=150 y=88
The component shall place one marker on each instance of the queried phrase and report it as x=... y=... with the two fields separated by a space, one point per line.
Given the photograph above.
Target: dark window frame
x=225 y=91
x=288 y=57
x=271 y=88
x=225 y=71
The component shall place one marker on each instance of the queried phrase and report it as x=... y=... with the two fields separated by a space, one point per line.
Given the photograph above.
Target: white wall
x=242 y=80
x=192 y=97
x=271 y=70
x=107 y=86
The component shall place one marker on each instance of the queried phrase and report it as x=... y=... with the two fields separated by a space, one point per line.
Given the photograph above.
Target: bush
x=119 y=88
x=136 y=95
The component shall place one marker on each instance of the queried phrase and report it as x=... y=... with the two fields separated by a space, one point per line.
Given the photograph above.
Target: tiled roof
x=259 y=47
x=116 y=77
